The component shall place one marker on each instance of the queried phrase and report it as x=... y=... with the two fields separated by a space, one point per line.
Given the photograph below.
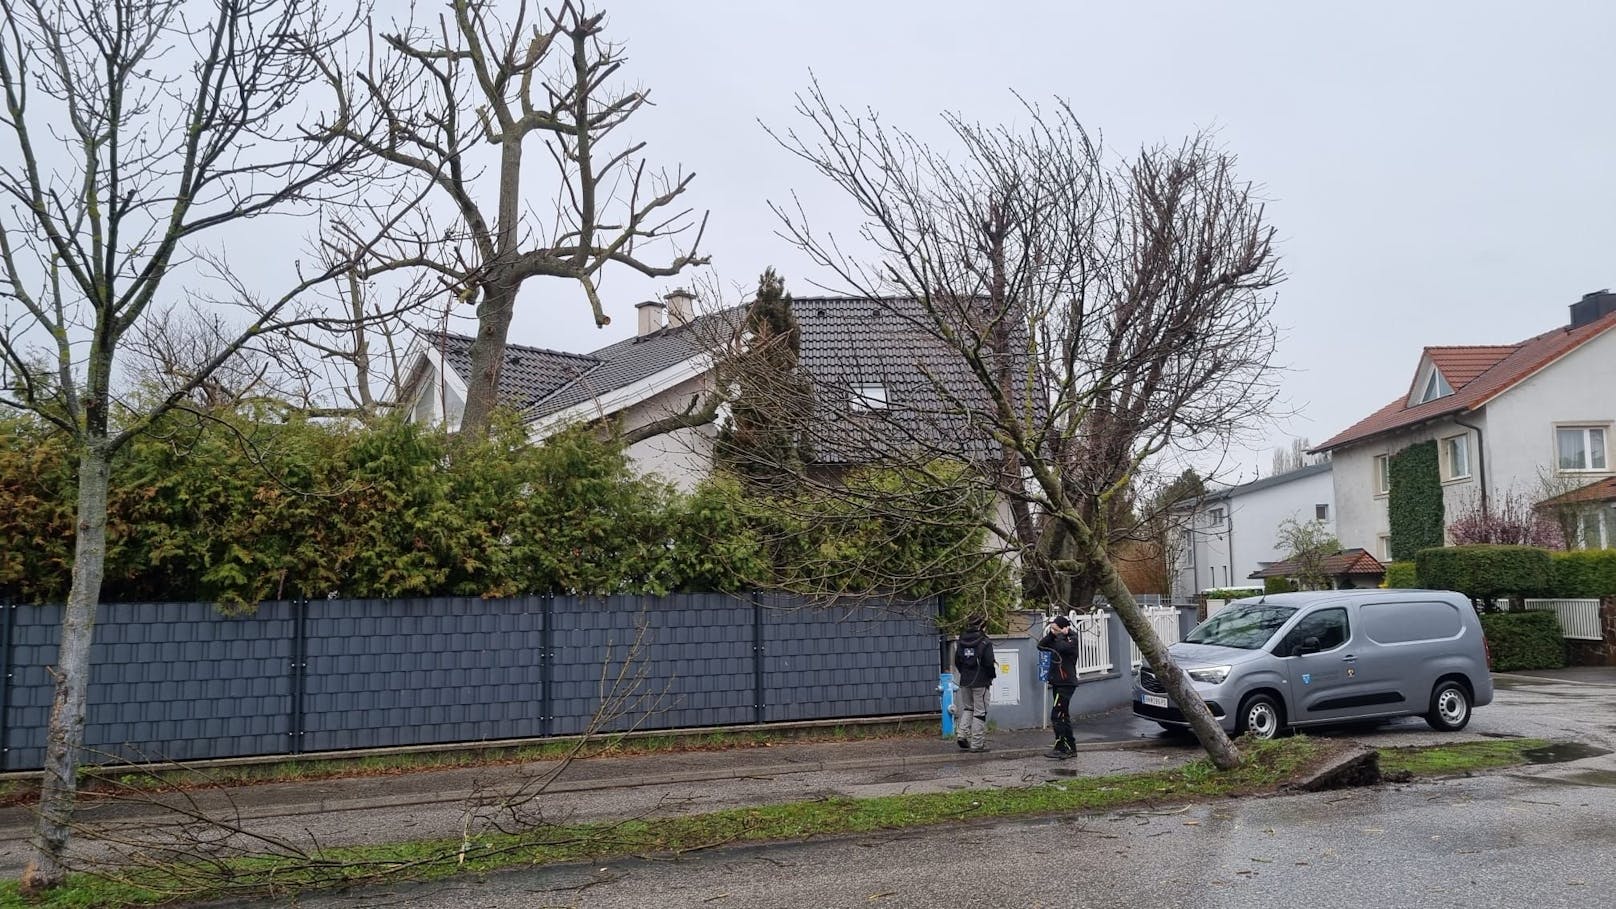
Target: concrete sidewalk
x=443 y=803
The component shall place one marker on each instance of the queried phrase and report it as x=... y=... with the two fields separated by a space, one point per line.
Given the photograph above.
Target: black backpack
x=968 y=657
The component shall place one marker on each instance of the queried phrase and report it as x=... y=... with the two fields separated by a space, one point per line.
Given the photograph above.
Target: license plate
x=1153 y=700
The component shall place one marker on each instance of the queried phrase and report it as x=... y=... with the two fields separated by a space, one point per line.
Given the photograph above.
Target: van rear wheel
x=1261 y=717
x=1450 y=707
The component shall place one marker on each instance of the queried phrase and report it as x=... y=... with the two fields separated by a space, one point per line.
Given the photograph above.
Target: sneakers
x=964 y=745
x=979 y=750
x=1060 y=752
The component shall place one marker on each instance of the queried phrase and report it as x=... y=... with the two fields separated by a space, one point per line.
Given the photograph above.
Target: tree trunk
x=65 y=736
x=1179 y=689
x=487 y=359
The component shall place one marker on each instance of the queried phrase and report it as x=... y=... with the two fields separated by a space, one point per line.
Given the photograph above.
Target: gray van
x=1299 y=659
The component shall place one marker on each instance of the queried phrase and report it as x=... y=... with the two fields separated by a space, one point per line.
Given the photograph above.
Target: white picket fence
x=1094 y=634
x=1164 y=621
x=1094 y=637
x=1579 y=619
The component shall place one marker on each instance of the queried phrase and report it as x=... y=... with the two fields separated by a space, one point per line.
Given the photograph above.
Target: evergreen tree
x=765 y=442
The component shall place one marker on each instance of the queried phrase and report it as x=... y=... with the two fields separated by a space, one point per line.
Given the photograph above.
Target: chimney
x=681 y=307
x=1592 y=307
x=650 y=316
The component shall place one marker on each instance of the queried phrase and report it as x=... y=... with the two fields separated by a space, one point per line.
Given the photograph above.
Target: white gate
x=1164 y=621
x=1579 y=619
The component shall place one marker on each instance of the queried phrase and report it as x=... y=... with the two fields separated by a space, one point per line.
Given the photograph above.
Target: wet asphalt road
x=1538 y=837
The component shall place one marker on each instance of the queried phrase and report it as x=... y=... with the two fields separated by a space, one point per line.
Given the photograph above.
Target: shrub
x=1485 y=572
x=1277 y=585
x=1231 y=593
x=1401 y=575
x=1524 y=640
x=1583 y=573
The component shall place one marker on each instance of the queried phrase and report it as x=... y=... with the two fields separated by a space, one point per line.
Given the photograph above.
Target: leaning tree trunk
x=1179 y=689
x=65 y=736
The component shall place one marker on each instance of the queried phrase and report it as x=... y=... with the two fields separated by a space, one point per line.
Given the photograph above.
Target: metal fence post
x=759 y=708
x=299 y=668
x=7 y=628
x=546 y=664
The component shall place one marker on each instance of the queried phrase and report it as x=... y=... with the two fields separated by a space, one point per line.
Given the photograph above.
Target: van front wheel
x=1450 y=707
x=1261 y=717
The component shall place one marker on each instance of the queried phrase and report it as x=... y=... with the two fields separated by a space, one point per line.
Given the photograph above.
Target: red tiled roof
x=1597 y=491
x=1479 y=375
x=1347 y=561
x=1461 y=365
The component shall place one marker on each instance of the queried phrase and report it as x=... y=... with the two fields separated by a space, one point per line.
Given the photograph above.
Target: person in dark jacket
x=1062 y=643
x=973 y=660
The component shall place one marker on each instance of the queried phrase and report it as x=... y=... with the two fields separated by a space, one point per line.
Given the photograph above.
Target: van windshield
x=1244 y=627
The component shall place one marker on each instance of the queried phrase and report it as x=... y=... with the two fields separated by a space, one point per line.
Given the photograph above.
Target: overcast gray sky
x=1440 y=173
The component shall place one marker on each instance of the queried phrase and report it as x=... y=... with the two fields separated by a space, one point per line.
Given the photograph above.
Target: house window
x=1596 y=529
x=869 y=396
x=1581 y=448
x=1383 y=546
x=1456 y=457
x=1214 y=518
x=1434 y=387
x=1321 y=512
x=1383 y=474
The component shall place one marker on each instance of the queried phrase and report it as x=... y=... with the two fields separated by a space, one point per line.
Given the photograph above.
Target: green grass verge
x=1267 y=766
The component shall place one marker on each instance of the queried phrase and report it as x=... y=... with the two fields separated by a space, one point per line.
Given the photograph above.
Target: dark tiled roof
x=622 y=364
x=1278 y=479
x=529 y=373
x=1517 y=363
x=1597 y=491
x=1345 y=562
x=933 y=395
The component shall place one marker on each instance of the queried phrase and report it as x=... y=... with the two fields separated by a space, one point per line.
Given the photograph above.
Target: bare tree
x=134 y=133
x=1100 y=315
x=470 y=85
x=1306 y=544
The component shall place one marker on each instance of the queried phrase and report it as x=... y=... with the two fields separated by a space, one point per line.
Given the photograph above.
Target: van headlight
x=1211 y=675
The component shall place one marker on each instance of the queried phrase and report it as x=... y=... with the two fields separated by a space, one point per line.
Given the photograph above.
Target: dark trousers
x=1060 y=715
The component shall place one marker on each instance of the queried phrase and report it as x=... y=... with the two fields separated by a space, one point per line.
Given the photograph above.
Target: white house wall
x=1363 y=520
x=1579 y=389
x=1516 y=449
x=1225 y=552
x=683 y=457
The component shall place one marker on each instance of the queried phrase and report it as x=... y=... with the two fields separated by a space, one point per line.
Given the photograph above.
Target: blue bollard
x=945 y=686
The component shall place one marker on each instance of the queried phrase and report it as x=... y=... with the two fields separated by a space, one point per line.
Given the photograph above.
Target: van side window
x=1328 y=625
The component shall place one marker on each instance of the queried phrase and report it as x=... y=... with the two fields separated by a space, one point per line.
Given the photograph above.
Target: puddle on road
x=1561 y=752
x=1605 y=779
x=1059 y=772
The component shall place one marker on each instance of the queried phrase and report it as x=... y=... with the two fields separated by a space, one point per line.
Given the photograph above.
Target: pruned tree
x=1096 y=315
x=1306 y=544
x=462 y=103
x=136 y=134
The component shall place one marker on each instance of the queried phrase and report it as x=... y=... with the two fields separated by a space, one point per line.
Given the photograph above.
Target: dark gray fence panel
x=169 y=681
x=692 y=666
x=416 y=672
x=837 y=662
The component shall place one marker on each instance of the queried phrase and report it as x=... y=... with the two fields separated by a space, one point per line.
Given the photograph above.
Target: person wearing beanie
x=973 y=660
x=1062 y=643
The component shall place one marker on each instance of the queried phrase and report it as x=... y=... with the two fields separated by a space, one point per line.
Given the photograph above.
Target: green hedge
x=1524 y=640
x=1414 y=504
x=1401 y=575
x=1277 y=585
x=1231 y=593
x=1583 y=573
x=1485 y=571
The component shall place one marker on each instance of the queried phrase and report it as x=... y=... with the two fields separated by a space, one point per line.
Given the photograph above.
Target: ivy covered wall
x=1414 y=505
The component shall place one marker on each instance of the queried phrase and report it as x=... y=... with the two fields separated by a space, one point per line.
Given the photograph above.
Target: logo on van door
x=1307 y=678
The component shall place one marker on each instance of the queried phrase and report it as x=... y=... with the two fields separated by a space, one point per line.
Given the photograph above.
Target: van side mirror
x=1309 y=645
